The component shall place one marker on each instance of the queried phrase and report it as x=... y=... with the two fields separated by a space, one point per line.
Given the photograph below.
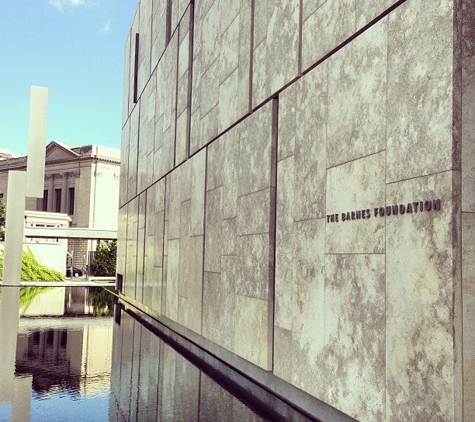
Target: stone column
x=64 y=192
x=50 y=179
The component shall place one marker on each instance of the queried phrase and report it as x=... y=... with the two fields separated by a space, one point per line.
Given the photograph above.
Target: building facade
x=82 y=182
x=297 y=189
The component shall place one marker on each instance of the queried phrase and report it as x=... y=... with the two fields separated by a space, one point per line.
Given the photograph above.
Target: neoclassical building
x=82 y=182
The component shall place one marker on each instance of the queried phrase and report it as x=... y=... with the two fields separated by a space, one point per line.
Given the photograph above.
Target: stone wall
x=297 y=186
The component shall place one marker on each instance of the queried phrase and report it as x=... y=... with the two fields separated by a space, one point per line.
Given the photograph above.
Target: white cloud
x=63 y=5
x=107 y=26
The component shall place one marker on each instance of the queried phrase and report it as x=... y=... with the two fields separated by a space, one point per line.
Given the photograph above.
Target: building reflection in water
x=154 y=382
x=78 y=367
x=66 y=355
x=58 y=368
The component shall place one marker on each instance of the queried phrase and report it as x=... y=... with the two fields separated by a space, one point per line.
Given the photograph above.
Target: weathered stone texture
x=132 y=233
x=132 y=173
x=165 y=114
x=331 y=23
x=145 y=25
x=351 y=188
x=238 y=259
x=184 y=241
x=468 y=314
x=146 y=137
x=124 y=164
x=357 y=78
x=467 y=123
x=419 y=117
x=420 y=289
x=183 y=89
x=178 y=8
x=354 y=352
x=155 y=214
x=302 y=116
x=328 y=24
x=159 y=31
x=466 y=17
x=122 y=241
x=244 y=158
x=128 y=68
x=276 y=29
x=221 y=68
x=139 y=290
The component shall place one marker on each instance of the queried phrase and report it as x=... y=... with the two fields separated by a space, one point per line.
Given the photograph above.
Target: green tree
x=32 y=270
x=3 y=212
x=104 y=262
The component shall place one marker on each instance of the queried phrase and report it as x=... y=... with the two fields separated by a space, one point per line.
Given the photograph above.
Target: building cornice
x=20 y=163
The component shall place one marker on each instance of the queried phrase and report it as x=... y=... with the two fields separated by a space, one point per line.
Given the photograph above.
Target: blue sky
x=76 y=49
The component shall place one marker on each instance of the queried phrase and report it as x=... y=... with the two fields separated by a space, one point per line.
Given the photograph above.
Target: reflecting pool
x=56 y=345
x=72 y=354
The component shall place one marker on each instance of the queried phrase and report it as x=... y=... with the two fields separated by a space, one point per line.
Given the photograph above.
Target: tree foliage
x=32 y=270
x=104 y=262
x=3 y=212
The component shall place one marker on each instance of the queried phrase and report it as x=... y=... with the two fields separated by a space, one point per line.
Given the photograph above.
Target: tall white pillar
x=36 y=141
x=14 y=227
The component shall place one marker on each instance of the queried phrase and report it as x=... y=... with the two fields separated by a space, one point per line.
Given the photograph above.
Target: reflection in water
x=153 y=382
x=165 y=385
x=59 y=369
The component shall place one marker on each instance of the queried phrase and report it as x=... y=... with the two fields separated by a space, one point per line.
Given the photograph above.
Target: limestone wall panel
x=367 y=10
x=146 y=136
x=253 y=266
x=124 y=164
x=355 y=334
x=142 y=204
x=467 y=72
x=221 y=69
x=308 y=304
x=331 y=23
x=284 y=263
x=468 y=313
x=178 y=8
x=122 y=242
x=255 y=135
x=353 y=188
x=236 y=192
x=173 y=274
x=165 y=111
x=219 y=304
x=253 y=213
x=371 y=315
x=133 y=31
x=133 y=154
x=252 y=330
x=128 y=68
x=197 y=196
x=131 y=261
x=420 y=288
x=185 y=242
x=420 y=97
x=154 y=246
x=145 y=40
x=183 y=107
x=159 y=30
x=276 y=24
x=213 y=244
x=357 y=78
